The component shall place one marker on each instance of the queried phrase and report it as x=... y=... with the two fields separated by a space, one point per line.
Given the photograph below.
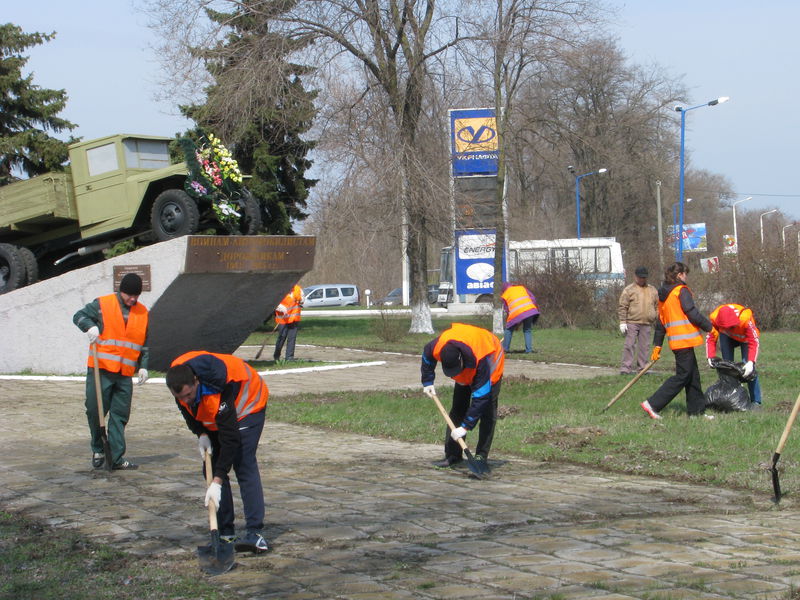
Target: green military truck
x=116 y=188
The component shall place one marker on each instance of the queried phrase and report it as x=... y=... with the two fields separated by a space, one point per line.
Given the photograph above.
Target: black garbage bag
x=728 y=394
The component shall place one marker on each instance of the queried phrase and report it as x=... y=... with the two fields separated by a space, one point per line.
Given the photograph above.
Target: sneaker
x=254 y=542
x=448 y=463
x=125 y=465
x=228 y=539
x=649 y=410
x=98 y=458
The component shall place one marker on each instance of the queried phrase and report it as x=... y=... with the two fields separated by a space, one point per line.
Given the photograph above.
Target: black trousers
x=687 y=377
x=286 y=333
x=461 y=401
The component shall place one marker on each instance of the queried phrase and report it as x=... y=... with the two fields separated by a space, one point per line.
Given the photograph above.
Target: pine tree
x=27 y=111
x=263 y=133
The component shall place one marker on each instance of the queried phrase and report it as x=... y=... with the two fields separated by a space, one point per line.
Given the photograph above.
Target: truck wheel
x=12 y=269
x=250 y=223
x=31 y=266
x=174 y=214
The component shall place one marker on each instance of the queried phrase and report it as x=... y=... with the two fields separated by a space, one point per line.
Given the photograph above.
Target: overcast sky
x=745 y=50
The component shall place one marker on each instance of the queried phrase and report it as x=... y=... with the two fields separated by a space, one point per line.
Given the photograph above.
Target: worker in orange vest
x=734 y=325
x=681 y=322
x=287 y=316
x=520 y=308
x=473 y=357
x=117 y=324
x=223 y=401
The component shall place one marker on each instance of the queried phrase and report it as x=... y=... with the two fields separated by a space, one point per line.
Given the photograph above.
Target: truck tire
x=174 y=214
x=250 y=223
x=31 y=266
x=12 y=269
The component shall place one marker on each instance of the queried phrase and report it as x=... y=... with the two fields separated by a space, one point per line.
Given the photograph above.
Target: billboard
x=473 y=142
x=474 y=262
x=694 y=237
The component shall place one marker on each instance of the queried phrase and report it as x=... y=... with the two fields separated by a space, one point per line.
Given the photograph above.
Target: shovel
x=101 y=418
x=629 y=385
x=266 y=339
x=478 y=469
x=218 y=557
x=776 y=484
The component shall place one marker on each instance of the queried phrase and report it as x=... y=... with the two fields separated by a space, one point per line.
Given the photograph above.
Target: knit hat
x=131 y=284
x=451 y=359
x=726 y=317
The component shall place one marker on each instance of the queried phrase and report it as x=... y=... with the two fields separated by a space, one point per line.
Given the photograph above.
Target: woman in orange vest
x=287 y=316
x=681 y=322
x=117 y=324
x=734 y=325
x=223 y=401
x=519 y=306
x=474 y=359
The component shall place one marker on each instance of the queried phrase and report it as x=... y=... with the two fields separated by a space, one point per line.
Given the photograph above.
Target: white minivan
x=330 y=294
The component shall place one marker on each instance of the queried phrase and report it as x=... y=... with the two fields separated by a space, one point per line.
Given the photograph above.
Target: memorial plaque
x=249 y=254
x=142 y=271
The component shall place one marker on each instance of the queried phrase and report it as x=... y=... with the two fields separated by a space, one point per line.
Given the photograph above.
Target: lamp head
x=571 y=169
x=678 y=108
x=719 y=100
x=603 y=170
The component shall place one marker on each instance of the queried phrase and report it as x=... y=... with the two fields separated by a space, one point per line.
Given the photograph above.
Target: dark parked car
x=395 y=297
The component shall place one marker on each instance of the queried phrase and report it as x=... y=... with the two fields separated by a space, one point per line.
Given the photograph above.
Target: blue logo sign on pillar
x=473 y=142
x=475 y=261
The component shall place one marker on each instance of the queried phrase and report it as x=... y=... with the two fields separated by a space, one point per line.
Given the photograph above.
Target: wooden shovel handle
x=789 y=423
x=448 y=420
x=97 y=389
x=629 y=385
x=212 y=507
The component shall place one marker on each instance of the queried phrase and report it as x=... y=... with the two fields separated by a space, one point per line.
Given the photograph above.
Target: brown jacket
x=638 y=304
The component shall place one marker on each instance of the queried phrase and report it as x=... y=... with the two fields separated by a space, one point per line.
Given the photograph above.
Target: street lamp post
x=783 y=233
x=678 y=233
x=578 y=194
x=761 y=222
x=736 y=235
x=683 y=111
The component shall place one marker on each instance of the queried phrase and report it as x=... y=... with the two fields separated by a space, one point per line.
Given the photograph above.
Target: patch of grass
x=42 y=563
x=561 y=421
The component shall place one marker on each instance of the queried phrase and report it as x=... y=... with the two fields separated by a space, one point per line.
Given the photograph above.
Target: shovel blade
x=776 y=484
x=478 y=468
x=217 y=557
x=106 y=450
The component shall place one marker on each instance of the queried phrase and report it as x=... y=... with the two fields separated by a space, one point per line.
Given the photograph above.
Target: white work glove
x=92 y=333
x=748 y=368
x=143 y=376
x=711 y=362
x=458 y=432
x=429 y=391
x=623 y=328
x=214 y=493
x=203 y=444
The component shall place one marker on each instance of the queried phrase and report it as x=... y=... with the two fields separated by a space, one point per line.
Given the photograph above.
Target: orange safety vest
x=518 y=302
x=292 y=303
x=738 y=332
x=253 y=393
x=680 y=331
x=120 y=344
x=482 y=343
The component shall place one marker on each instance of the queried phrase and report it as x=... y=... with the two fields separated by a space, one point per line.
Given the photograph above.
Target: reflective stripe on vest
x=739 y=331
x=253 y=393
x=292 y=304
x=519 y=302
x=482 y=343
x=680 y=331
x=120 y=344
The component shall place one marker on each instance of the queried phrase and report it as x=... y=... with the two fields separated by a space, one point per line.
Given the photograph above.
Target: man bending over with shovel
x=223 y=401
x=473 y=358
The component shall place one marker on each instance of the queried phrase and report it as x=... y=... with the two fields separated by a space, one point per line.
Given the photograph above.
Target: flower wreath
x=213 y=175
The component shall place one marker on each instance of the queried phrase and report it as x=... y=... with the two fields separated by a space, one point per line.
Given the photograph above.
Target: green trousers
x=117 y=391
